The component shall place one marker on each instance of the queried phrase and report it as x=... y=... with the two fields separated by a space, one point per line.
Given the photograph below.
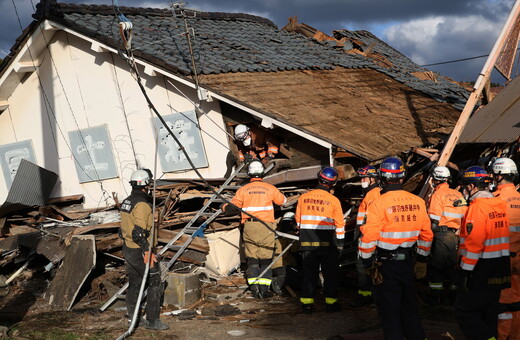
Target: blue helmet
x=328 y=175
x=392 y=168
x=367 y=171
x=475 y=175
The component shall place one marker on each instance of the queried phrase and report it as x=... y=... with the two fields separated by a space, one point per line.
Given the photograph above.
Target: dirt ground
x=25 y=314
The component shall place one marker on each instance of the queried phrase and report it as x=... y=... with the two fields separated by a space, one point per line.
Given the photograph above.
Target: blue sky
x=424 y=30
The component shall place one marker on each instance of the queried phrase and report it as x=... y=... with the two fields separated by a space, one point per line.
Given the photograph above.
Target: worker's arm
x=339 y=221
x=424 y=242
x=475 y=236
x=371 y=230
x=435 y=208
x=142 y=217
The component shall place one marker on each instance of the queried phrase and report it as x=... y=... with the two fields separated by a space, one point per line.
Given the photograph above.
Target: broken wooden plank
x=79 y=261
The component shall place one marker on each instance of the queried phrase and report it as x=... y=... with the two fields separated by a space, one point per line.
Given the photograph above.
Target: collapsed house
x=73 y=103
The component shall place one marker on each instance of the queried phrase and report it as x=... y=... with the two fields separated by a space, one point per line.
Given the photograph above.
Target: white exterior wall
x=87 y=89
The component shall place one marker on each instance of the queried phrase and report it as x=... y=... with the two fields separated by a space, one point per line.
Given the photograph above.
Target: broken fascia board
x=151 y=68
x=40 y=37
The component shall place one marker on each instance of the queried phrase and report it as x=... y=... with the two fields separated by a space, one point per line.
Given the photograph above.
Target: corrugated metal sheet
x=497 y=122
x=32 y=186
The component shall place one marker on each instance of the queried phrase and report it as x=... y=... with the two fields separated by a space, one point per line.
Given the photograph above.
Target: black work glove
x=229 y=209
x=462 y=280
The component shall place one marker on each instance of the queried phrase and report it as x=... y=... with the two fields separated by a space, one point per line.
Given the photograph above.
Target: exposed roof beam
x=25 y=67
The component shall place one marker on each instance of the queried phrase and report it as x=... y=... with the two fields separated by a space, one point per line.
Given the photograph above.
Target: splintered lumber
x=79 y=261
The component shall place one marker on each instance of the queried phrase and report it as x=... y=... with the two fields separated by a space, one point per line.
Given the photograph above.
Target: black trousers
x=135 y=267
x=444 y=257
x=396 y=301
x=327 y=257
x=255 y=267
x=477 y=313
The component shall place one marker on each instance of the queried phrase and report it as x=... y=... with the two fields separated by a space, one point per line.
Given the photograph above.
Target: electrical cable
x=455 y=61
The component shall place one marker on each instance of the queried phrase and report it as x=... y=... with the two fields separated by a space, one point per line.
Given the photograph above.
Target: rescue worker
x=484 y=258
x=397 y=226
x=445 y=221
x=322 y=234
x=255 y=143
x=505 y=174
x=257 y=198
x=371 y=191
x=136 y=232
x=287 y=225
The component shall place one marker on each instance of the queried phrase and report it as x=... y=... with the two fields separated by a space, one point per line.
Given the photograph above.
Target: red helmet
x=328 y=175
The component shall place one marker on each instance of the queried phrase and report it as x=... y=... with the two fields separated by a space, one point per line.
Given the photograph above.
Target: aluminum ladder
x=189 y=230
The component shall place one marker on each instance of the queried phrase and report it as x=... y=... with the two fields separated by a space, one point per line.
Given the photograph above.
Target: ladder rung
x=217 y=200
x=190 y=231
x=174 y=247
x=208 y=214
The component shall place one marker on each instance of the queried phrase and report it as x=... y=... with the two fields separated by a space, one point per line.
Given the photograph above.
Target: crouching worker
x=136 y=230
x=256 y=198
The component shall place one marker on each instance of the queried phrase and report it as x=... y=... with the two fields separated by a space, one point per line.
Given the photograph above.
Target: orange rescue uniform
x=509 y=321
x=319 y=217
x=485 y=232
x=262 y=146
x=396 y=219
x=257 y=198
x=363 y=206
x=441 y=207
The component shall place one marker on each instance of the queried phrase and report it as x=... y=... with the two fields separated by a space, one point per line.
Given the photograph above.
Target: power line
x=455 y=61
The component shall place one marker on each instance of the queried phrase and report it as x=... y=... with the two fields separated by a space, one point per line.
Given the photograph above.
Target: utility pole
x=479 y=86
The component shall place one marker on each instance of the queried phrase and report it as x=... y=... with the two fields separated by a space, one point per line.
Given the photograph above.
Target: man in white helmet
x=505 y=175
x=136 y=232
x=446 y=220
x=255 y=143
x=257 y=198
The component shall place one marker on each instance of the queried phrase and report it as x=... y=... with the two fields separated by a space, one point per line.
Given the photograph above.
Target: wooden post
x=482 y=79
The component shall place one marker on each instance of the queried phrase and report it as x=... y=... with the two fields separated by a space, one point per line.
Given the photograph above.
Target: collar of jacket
x=441 y=185
x=323 y=187
x=367 y=190
x=392 y=187
x=139 y=192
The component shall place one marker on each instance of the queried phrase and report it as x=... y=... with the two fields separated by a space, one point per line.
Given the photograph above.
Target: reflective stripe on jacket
x=320 y=219
x=257 y=198
x=485 y=232
x=396 y=219
x=441 y=209
x=508 y=193
x=363 y=206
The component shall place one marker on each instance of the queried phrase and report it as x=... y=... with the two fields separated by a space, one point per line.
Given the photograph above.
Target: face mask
x=465 y=193
x=364 y=185
x=492 y=187
x=247 y=141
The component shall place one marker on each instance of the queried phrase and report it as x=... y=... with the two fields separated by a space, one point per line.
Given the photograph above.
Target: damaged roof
x=371 y=100
x=498 y=121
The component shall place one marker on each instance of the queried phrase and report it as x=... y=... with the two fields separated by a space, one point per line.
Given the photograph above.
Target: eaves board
x=363 y=111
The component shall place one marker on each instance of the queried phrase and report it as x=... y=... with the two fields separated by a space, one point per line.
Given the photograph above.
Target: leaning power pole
x=480 y=84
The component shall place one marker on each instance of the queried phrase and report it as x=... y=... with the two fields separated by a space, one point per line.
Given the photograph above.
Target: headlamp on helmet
x=392 y=168
x=328 y=175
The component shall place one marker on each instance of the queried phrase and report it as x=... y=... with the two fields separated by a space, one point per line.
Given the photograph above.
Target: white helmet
x=140 y=178
x=441 y=173
x=255 y=169
x=504 y=166
x=242 y=134
x=288 y=216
